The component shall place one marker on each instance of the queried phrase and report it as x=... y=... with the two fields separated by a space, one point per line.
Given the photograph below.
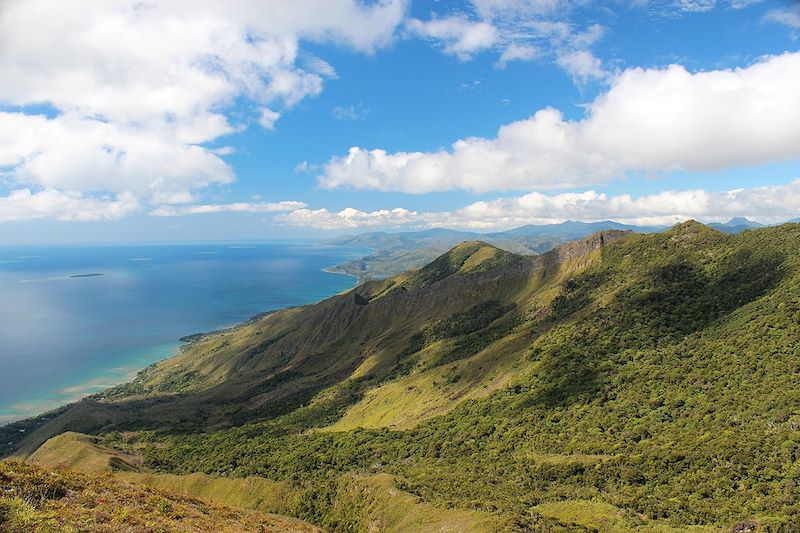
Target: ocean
x=77 y=319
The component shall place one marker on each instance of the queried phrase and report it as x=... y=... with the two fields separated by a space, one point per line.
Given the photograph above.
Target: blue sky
x=176 y=120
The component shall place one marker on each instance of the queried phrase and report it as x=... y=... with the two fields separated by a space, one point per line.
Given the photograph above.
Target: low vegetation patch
x=34 y=499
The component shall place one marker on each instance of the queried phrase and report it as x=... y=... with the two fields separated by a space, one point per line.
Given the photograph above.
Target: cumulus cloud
x=768 y=204
x=650 y=120
x=348 y=218
x=267 y=118
x=104 y=96
x=583 y=66
x=79 y=153
x=459 y=36
x=238 y=207
x=22 y=204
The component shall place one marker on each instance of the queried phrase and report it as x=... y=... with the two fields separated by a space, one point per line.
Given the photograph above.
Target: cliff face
x=584 y=247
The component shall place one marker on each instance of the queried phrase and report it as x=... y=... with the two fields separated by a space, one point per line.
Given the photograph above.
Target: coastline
x=22 y=413
x=187 y=340
x=74 y=391
x=14 y=430
x=95 y=387
x=330 y=270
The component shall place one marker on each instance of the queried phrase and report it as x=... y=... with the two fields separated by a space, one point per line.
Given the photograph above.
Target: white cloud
x=22 y=204
x=459 y=36
x=768 y=204
x=135 y=90
x=789 y=17
x=516 y=9
x=671 y=9
x=556 y=30
x=696 y=6
x=583 y=66
x=650 y=120
x=238 y=207
x=267 y=118
x=349 y=112
x=741 y=4
x=518 y=52
x=320 y=66
x=348 y=218
x=79 y=153
x=519 y=30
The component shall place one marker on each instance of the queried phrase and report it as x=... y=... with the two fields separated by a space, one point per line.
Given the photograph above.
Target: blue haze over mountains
x=397 y=252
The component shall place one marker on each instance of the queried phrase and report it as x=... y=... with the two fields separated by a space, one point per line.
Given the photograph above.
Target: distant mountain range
x=389 y=241
x=736 y=225
x=397 y=252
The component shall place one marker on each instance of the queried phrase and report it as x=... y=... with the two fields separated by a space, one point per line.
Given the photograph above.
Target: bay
x=77 y=319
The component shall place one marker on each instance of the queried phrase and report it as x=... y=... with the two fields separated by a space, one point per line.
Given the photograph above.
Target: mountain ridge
x=394 y=253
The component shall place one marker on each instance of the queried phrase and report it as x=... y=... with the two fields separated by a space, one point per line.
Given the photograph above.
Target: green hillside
x=624 y=382
x=380 y=503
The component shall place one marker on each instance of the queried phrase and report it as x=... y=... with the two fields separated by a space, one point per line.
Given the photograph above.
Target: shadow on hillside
x=666 y=305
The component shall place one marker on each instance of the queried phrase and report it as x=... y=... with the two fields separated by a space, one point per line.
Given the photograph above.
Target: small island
x=91 y=275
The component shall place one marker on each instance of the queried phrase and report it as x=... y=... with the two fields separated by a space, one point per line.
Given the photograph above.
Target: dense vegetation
x=658 y=376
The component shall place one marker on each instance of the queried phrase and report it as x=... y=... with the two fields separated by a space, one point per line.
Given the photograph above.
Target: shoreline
x=24 y=412
x=176 y=348
x=105 y=379
x=359 y=279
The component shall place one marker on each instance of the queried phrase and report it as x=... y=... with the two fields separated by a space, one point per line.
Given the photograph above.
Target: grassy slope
x=650 y=384
x=35 y=499
x=605 y=518
x=380 y=503
x=81 y=452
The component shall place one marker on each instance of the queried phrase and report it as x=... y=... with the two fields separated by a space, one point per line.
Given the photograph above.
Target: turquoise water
x=65 y=333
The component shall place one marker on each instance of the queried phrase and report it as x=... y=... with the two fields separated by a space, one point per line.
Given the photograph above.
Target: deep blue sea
x=62 y=337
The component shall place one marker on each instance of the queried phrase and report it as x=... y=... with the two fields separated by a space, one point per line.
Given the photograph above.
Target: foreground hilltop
x=621 y=382
x=36 y=499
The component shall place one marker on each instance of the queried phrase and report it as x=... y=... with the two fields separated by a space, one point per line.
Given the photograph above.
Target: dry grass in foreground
x=35 y=499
